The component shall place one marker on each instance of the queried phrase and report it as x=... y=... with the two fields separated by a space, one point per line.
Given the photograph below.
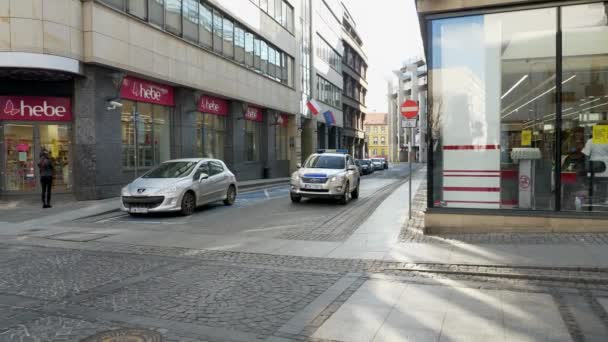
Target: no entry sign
x=409 y=109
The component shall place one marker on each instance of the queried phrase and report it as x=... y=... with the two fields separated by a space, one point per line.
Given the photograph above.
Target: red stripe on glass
x=470 y=188
x=471 y=147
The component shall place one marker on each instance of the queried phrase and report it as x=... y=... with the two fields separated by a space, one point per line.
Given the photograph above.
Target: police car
x=326 y=174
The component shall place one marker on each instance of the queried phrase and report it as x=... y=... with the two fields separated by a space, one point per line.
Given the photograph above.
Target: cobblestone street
x=357 y=273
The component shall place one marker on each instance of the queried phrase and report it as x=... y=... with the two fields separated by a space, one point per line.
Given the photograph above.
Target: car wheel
x=188 y=204
x=230 y=195
x=346 y=196
x=296 y=198
x=355 y=193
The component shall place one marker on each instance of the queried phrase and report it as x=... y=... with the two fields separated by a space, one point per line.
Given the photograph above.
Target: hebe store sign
x=254 y=114
x=213 y=105
x=145 y=91
x=35 y=108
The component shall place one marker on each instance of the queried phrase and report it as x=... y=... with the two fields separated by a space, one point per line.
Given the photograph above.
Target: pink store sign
x=146 y=91
x=35 y=108
x=254 y=114
x=213 y=105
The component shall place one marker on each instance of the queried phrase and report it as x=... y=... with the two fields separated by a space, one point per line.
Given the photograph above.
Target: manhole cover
x=126 y=335
x=76 y=236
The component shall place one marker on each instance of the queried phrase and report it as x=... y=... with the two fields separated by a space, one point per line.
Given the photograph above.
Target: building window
x=239 y=44
x=252 y=140
x=264 y=56
x=383 y=129
x=191 y=20
x=217 y=31
x=146 y=139
x=257 y=54
x=375 y=140
x=329 y=93
x=382 y=140
x=249 y=49
x=173 y=15
x=206 y=26
x=156 y=13
x=211 y=132
x=228 y=38
x=504 y=66
x=118 y=4
x=330 y=56
x=278 y=11
x=137 y=8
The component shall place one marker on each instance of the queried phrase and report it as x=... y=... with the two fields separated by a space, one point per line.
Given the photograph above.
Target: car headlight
x=168 y=191
x=125 y=191
x=337 y=179
x=295 y=177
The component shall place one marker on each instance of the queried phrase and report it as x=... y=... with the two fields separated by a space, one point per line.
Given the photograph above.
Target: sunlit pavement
x=267 y=269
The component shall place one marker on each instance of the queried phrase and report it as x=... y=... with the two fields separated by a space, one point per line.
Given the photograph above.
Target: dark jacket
x=45 y=165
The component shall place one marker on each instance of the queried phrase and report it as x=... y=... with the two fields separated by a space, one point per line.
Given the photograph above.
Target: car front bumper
x=328 y=190
x=150 y=204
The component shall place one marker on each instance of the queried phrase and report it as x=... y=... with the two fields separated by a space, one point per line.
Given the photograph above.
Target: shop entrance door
x=19 y=149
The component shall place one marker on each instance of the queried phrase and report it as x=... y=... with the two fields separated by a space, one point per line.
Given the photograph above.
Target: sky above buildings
x=391 y=34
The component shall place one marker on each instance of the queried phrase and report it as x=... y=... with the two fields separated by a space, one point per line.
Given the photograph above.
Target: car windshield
x=325 y=162
x=171 y=170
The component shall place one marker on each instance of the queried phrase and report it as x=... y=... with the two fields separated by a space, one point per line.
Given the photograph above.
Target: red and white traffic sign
x=409 y=109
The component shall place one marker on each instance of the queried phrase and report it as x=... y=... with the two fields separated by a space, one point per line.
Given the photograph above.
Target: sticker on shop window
x=526 y=138
x=600 y=134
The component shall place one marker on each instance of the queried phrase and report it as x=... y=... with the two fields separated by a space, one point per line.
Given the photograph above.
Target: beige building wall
x=51 y=27
x=115 y=39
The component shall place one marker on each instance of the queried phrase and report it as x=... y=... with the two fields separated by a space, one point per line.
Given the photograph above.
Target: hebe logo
x=45 y=110
x=147 y=92
x=251 y=114
x=211 y=105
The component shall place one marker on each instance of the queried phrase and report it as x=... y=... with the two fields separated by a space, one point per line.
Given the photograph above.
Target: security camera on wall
x=114 y=104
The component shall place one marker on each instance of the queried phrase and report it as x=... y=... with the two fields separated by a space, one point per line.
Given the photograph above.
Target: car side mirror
x=299 y=165
x=352 y=168
x=202 y=177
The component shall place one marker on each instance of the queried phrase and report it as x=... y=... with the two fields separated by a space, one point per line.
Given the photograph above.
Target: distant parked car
x=180 y=185
x=378 y=163
x=365 y=166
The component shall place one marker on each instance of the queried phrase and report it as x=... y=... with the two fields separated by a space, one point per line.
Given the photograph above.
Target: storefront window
x=282 y=140
x=211 y=132
x=19 y=157
x=252 y=140
x=56 y=140
x=584 y=150
x=145 y=134
x=492 y=110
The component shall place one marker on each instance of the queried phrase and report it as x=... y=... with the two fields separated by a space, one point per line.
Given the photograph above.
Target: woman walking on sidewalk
x=45 y=165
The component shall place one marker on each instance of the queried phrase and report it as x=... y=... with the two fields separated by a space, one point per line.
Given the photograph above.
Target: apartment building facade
x=113 y=87
x=354 y=74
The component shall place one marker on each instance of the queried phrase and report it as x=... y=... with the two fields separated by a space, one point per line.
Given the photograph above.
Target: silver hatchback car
x=180 y=185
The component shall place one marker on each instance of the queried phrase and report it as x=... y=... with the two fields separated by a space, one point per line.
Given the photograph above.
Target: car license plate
x=139 y=210
x=313 y=186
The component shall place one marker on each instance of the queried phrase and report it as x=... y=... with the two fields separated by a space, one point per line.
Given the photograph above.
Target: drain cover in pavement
x=76 y=236
x=126 y=335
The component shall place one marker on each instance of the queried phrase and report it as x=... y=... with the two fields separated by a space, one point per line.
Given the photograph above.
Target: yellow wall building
x=376 y=127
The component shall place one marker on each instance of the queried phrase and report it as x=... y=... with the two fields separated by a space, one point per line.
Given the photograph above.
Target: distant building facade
x=376 y=129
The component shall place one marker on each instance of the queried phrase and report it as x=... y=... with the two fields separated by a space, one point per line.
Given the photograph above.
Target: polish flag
x=313 y=106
